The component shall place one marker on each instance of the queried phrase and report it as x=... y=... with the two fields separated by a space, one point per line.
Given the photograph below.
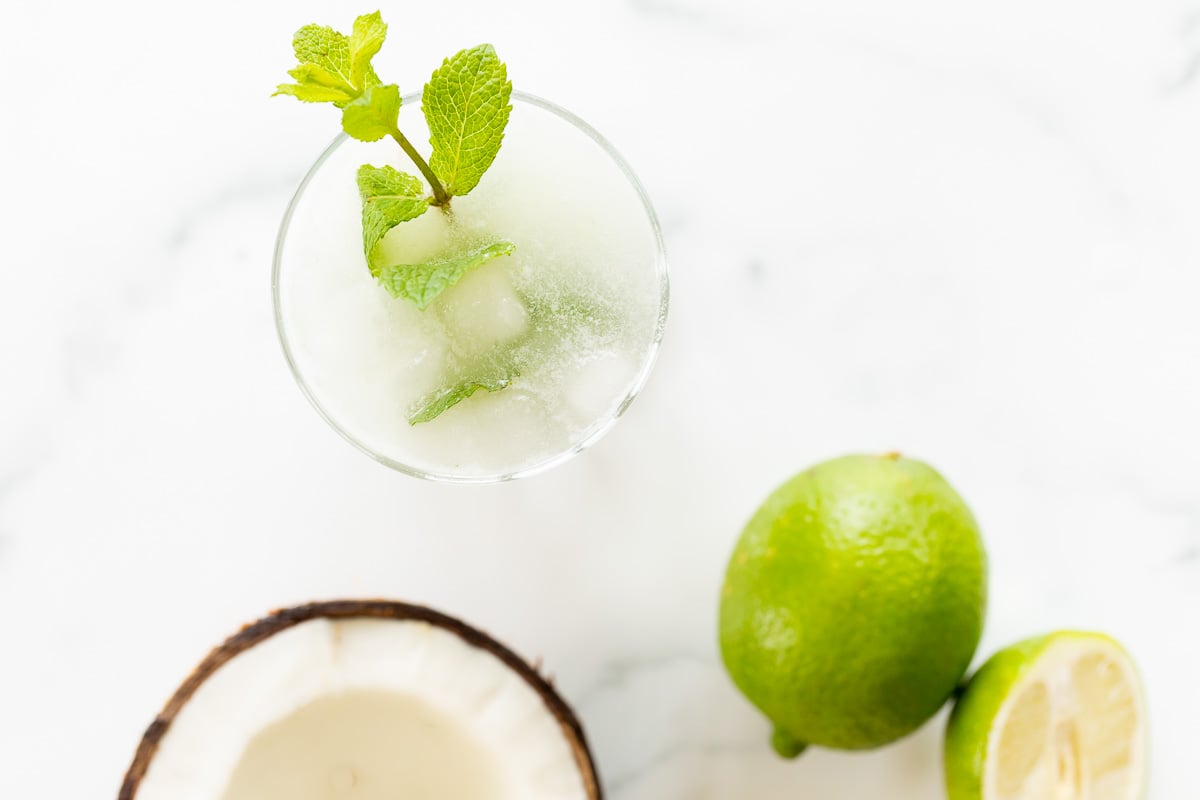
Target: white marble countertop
x=966 y=233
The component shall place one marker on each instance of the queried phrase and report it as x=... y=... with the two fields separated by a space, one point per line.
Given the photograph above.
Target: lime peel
x=853 y=602
x=785 y=745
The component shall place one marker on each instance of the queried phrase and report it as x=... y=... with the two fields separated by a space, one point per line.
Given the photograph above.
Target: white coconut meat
x=361 y=708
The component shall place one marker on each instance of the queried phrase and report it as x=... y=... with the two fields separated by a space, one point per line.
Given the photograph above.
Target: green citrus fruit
x=1059 y=716
x=853 y=602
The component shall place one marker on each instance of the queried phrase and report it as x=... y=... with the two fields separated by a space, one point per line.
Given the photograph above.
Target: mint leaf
x=422 y=283
x=373 y=114
x=324 y=47
x=466 y=104
x=433 y=405
x=316 y=85
x=334 y=68
x=365 y=40
x=551 y=326
x=389 y=197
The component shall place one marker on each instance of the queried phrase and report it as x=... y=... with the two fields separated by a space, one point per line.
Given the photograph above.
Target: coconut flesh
x=363 y=701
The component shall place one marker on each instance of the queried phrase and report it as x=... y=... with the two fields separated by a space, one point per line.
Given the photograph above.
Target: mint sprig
x=336 y=68
x=467 y=103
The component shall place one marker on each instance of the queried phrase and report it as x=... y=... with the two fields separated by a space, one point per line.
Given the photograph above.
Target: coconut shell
x=281 y=620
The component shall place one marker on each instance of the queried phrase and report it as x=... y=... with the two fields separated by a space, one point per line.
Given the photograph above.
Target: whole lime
x=853 y=602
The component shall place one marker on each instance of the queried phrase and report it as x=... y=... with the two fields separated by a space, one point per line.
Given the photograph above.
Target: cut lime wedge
x=1059 y=717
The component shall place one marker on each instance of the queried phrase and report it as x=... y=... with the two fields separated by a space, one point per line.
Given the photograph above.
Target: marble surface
x=965 y=232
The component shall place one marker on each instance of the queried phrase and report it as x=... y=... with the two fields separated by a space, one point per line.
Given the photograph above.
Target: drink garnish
x=466 y=103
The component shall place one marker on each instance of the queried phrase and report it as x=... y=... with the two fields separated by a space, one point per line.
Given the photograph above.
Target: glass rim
x=600 y=429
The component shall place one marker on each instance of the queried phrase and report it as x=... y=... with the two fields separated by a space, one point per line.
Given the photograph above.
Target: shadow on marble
x=674 y=728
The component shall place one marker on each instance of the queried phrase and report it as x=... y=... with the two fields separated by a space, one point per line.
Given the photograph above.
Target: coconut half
x=363 y=700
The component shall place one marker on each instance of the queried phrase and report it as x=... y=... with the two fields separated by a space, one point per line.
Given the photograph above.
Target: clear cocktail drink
x=555 y=338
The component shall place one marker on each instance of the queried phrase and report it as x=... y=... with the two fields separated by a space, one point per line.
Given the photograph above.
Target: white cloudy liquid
x=367 y=745
x=576 y=310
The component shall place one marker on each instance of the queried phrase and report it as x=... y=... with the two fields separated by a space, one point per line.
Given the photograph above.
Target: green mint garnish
x=432 y=406
x=422 y=283
x=366 y=37
x=373 y=114
x=466 y=105
x=389 y=197
x=550 y=325
x=466 y=101
x=335 y=68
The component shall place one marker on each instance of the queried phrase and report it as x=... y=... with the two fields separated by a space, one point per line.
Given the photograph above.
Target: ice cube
x=483 y=310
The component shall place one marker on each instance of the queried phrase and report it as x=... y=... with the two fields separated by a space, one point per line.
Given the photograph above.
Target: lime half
x=1058 y=717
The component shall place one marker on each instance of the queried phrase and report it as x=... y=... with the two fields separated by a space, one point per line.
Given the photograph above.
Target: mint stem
x=440 y=198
